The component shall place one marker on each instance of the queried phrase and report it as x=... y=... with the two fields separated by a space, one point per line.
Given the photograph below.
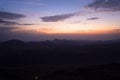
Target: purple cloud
x=10 y=16
x=105 y=5
x=57 y=18
x=94 y=18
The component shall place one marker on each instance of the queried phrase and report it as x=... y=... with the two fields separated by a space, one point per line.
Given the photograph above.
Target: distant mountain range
x=58 y=42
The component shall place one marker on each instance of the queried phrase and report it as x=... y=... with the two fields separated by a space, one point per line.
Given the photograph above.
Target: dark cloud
x=8 y=22
x=27 y=24
x=10 y=16
x=105 y=5
x=57 y=17
x=94 y=18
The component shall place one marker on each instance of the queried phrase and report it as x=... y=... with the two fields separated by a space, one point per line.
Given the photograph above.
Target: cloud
x=8 y=22
x=10 y=16
x=27 y=24
x=94 y=18
x=27 y=2
x=57 y=18
x=4 y=22
x=105 y=5
x=95 y=5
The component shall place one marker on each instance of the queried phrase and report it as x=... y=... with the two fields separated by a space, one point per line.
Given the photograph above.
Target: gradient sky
x=64 y=19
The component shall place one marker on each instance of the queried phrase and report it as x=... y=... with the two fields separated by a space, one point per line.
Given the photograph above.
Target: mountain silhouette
x=13 y=42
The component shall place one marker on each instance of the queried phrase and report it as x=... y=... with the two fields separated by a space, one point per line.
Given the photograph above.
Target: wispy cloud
x=5 y=22
x=57 y=18
x=27 y=24
x=27 y=2
x=94 y=18
x=105 y=5
x=10 y=16
x=96 y=5
x=8 y=22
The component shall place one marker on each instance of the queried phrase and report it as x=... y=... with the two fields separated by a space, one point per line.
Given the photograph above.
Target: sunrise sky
x=62 y=19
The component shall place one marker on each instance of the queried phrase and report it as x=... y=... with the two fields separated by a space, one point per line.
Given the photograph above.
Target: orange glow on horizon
x=80 y=32
x=71 y=29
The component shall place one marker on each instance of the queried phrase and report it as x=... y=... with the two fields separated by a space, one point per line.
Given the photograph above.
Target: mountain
x=13 y=42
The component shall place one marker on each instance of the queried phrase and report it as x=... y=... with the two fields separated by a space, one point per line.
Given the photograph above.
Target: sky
x=35 y=20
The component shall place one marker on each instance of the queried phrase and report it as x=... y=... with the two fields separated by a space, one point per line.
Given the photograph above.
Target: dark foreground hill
x=60 y=60
x=58 y=72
